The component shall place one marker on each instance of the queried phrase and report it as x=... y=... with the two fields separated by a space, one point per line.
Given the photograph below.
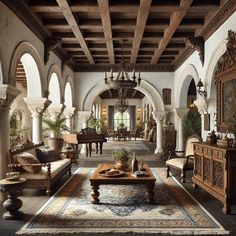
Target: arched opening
x=68 y=95
x=54 y=89
x=121 y=120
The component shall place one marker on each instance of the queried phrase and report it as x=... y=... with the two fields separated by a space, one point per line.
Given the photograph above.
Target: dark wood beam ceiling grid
x=90 y=31
x=65 y=8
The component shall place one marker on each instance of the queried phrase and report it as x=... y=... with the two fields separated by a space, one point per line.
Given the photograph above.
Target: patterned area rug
x=122 y=209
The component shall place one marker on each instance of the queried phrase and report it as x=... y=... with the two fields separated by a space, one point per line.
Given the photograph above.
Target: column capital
x=84 y=116
x=181 y=112
x=69 y=111
x=7 y=94
x=56 y=109
x=201 y=105
x=37 y=105
x=159 y=115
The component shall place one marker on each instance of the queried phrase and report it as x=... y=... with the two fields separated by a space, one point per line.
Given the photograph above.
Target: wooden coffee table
x=127 y=179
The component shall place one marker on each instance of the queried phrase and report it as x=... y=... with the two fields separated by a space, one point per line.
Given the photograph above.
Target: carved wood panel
x=198 y=165
x=206 y=169
x=218 y=174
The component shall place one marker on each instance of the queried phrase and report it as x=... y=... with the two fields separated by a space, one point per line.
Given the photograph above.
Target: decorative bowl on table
x=111 y=173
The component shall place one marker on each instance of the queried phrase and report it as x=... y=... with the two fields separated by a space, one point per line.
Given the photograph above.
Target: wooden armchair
x=184 y=162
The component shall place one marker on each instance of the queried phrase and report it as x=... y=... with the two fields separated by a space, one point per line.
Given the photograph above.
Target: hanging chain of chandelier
x=122 y=104
x=122 y=80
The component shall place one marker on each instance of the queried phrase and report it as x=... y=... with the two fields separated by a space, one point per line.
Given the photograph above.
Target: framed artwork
x=226 y=101
x=166 y=92
x=207 y=122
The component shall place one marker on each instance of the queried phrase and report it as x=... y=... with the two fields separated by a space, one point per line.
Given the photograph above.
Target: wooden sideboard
x=215 y=172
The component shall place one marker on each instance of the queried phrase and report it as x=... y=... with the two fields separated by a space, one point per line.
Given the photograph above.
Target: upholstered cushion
x=177 y=162
x=46 y=155
x=56 y=168
x=27 y=158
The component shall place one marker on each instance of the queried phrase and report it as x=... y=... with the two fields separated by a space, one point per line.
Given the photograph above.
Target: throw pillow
x=46 y=155
x=28 y=158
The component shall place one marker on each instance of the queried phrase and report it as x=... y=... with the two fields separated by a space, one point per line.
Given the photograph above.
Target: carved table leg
x=150 y=193
x=90 y=149
x=95 y=194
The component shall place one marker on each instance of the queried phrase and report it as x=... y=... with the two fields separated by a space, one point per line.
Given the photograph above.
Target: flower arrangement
x=120 y=155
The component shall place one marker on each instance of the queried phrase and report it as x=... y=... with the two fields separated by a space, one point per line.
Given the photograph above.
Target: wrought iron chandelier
x=122 y=104
x=122 y=79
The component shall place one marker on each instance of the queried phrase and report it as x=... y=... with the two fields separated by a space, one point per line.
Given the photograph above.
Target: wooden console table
x=215 y=172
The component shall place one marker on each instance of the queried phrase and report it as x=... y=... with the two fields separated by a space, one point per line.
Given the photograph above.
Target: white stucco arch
x=146 y=88
x=55 y=72
x=209 y=80
x=69 y=91
x=188 y=74
x=34 y=85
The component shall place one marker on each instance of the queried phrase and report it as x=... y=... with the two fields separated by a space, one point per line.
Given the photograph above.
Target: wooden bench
x=50 y=172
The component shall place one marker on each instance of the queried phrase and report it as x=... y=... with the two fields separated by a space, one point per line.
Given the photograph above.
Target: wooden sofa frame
x=37 y=183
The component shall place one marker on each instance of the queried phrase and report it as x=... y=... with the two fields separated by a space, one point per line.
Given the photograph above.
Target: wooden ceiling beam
x=106 y=23
x=175 y=21
x=140 y=27
x=65 y=8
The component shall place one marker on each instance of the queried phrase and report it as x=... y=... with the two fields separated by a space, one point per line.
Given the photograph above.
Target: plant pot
x=121 y=165
x=56 y=143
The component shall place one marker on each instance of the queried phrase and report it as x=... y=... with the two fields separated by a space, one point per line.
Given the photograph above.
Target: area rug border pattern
x=177 y=231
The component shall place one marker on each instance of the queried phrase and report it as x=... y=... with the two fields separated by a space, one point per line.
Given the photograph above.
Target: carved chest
x=215 y=172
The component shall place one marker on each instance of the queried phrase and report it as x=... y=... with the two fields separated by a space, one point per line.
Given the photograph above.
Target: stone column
x=83 y=117
x=159 y=116
x=37 y=107
x=69 y=112
x=7 y=94
x=202 y=106
x=180 y=113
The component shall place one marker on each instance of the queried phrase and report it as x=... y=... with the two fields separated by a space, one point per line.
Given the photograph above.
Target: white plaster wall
x=85 y=81
x=206 y=73
x=12 y=32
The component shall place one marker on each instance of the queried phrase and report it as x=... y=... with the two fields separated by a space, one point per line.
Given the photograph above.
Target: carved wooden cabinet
x=215 y=172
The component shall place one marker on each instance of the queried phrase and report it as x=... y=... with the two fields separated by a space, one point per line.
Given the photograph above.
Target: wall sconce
x=104 y=110
x=139 y=109
x=200 y=89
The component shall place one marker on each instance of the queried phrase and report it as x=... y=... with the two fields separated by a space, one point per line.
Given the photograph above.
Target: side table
x=12 y=204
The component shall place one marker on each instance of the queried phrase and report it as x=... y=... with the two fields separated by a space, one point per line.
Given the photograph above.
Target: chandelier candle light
x=122 y=79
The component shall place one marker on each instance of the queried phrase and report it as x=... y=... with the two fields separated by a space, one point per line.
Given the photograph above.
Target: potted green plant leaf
x=56 y=127
x=121 y=158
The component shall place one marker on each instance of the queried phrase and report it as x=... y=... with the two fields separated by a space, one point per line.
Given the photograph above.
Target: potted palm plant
x=55 y=127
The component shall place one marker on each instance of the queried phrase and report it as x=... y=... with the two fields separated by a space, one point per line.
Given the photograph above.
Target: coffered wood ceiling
x=86 y=34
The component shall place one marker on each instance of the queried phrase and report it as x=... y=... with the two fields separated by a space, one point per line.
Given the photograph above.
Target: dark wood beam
x=65 y=8
x=106 y=22
x=226 y=10
x=140 y=27
x=175 y=21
